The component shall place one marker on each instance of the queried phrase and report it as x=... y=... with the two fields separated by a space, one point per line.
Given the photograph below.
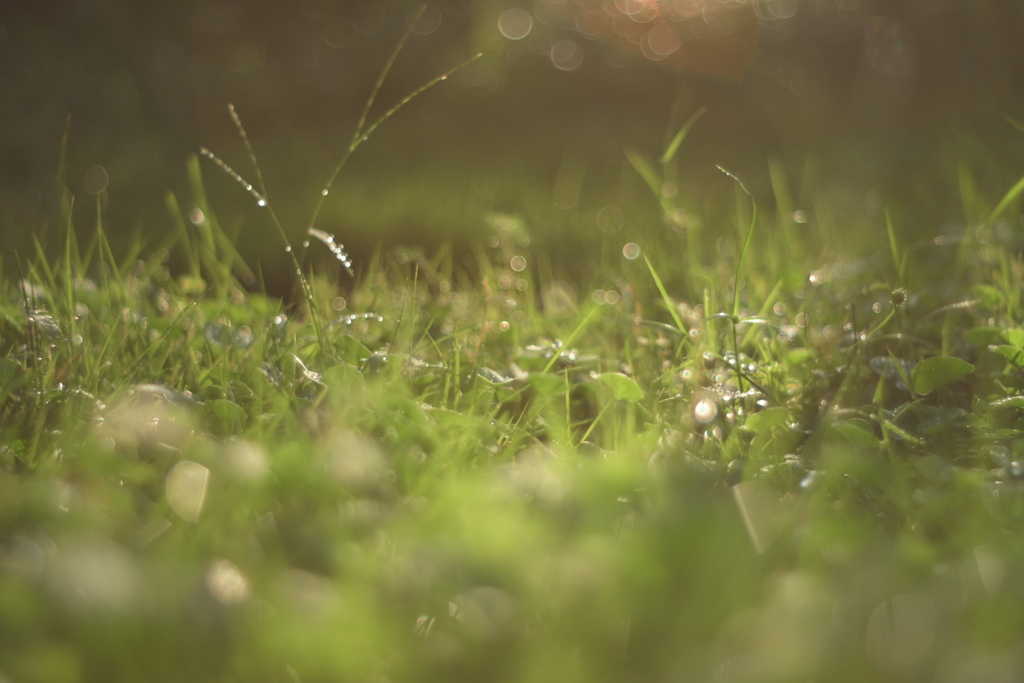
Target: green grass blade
x=646 y=171
x=673 y=147
x=746 y=243
x=893 y=247
x=1011 y=195
x=669 y=304
x=571 y=339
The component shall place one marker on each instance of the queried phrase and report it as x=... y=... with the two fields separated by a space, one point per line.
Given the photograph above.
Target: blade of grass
x=746 y=243
x=571 y=339
x=646 y=171
x=361 y=135
x=673 y=146
x=896 y=260
x=669 y=304
x=1010 y=195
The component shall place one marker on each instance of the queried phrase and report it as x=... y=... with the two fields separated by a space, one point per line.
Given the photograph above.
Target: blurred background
x=871 y=101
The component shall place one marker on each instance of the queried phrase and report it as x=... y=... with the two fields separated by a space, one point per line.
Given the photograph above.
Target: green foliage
x=712 y=468
x=933 y=373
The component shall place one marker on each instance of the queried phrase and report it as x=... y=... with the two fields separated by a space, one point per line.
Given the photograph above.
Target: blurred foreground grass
x=653 y=430
x=494 y=472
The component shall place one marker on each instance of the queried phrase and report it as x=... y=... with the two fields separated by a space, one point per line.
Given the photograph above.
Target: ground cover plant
x=751 y=444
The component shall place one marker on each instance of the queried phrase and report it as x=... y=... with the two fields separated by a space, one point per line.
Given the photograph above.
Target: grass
x=761 y=452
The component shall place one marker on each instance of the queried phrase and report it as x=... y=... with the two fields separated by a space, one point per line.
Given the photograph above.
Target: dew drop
x=445 y=77
x=288 y=249
x=261 y=202
x=325 y=192
x=305 y=243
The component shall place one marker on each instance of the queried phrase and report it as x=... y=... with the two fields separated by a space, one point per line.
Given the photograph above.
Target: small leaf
x=984 y=336
x=1009 y=402
x=934 y=420
x=989 y=296
x=857 y=431
x=547 y=383
x=935 y=469
x=351 y=349
x=1014 y=338
x=1010 y=353
x=939 y=371
x=623 y=387
x=766 y=419
x=12 y=375
x=343 y=377
x=799 y=356
x=227 y=413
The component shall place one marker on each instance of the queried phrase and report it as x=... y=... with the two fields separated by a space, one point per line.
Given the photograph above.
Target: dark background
x=877 y=95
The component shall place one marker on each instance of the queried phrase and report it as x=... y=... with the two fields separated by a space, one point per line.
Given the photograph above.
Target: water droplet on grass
x=261 y=202
x=288 y=249
x=305 y=243
x=335 y=248
x=325 y=192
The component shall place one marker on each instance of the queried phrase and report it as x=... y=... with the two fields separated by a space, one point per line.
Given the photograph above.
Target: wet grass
x=736 y=445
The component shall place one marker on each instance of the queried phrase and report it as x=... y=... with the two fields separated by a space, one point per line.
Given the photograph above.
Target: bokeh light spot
x=901 y=630
x=567 y=55
x=95 y=180
x=515 y=24
x=428 y=21
x=227 y=583
x=186 y=489
x=705 y=410
x=631 y=250
x=610 y=219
